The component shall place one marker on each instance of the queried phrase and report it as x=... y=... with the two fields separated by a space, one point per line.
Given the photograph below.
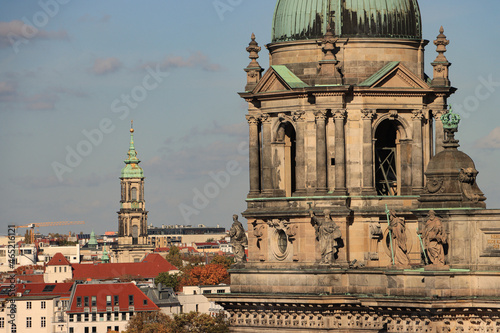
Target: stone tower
x=347 y=230
x=133 y=216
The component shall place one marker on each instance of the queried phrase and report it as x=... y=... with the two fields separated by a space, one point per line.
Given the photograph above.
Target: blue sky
x=70 y=76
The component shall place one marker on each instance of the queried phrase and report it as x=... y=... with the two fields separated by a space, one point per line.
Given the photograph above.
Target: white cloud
x=491 y=141
x=14 y=31
x=196 y=60
x=104 y=66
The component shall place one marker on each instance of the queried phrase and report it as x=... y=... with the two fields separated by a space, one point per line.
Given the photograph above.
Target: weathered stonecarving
x=308 y=19
x=363 y=215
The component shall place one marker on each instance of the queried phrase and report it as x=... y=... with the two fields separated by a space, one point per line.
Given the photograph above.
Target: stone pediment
x=278 y=78
x=394 y=75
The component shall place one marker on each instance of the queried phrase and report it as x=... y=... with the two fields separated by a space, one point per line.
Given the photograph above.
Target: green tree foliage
x=27 y=237
x=193 y=322
x=169 y=280
x=223 y=260
x=174 y=256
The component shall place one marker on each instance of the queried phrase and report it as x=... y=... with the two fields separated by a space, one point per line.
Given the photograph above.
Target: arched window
x=386 y=159
x=284 y=159
x=133 y=194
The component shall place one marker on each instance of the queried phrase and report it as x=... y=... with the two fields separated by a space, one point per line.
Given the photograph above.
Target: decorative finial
x=254 y=49
x=131 y=126
x=441 y=64
x=254 y=71
x=450 y=122
x=329 y=68
x=441 y=42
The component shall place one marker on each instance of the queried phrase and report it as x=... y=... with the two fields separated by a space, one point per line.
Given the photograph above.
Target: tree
x=199 y=323
x=174 y=256
x=27 y=237
x=209 y=275
x=223 y=260
x=193 y=322
x=149 y=322
x=210 y=240
x=169 y=280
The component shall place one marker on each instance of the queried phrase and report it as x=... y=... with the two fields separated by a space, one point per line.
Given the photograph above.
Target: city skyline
x=71 y=86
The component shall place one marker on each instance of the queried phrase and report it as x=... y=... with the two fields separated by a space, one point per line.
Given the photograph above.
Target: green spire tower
x=132 y=217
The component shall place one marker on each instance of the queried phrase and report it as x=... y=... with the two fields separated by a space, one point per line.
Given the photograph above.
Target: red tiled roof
x=31 y=278
x=44 y=289
x=206 y=243
x=58 y=260
x=148 y=268
x=101 y=291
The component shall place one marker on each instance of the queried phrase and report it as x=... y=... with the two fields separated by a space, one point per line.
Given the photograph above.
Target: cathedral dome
x=309 y=19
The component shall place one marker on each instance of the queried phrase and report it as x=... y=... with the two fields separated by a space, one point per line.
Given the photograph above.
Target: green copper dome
x=132 y=168
x=309 y=19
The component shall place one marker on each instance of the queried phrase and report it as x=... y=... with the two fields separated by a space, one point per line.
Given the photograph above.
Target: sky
x=73 y=74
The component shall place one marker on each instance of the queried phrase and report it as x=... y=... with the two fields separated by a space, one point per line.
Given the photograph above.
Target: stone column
x=368 y=182
x=321 y=175
x=300 y=170
x=417 y=157
x=439 y=130
x=254 y=155
x=267 y=162
x=340 y=163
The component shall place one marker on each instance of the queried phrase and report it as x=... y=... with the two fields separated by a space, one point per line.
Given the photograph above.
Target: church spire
x=132 y=168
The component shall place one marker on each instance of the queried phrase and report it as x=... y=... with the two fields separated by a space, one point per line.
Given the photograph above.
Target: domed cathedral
x=363 y=214
x=133 y=243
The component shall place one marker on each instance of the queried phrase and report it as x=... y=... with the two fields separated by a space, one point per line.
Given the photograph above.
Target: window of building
x=94 y=301
x=43 y=304
x=86 y=301
x=131 y=300
x=28 y=322
x=221 y=291
x=86 y=330
x=78 y=317
x=71 y=318
x=134 y=194
x=117 y=328
x=71 y=330
x=108 y=316
x=124 y=316
x=145 y=302
x=94 y=317
x=78 y=302
x=108 y=328
x=44 y=322
x=117 y=300
x=64 y=269
x=116 y=316
x=101 y=317
x=86 y=317
x=108 y=300
x=28 y=305
x=2 y=322
x=207 y=291
x=94 y=329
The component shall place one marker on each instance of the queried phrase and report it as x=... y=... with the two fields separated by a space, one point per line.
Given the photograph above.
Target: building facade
x=363 y=215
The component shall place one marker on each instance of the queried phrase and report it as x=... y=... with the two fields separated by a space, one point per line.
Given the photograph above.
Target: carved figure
x=397 y=227
x=327 y=233
x=434 y=238
x=238 y=240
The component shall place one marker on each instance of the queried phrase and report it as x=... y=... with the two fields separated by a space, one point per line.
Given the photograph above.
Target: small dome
x=309 y=19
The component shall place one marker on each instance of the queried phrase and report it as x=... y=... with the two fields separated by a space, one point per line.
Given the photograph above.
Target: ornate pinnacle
x=254 y=49
x=328 y=44
x=450 y=122
x=441 y=42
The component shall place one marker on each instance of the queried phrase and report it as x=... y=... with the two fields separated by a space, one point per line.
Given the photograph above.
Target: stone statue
x=397 y=227
x=238 y=240
x=327 y=233
x=434 y=238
